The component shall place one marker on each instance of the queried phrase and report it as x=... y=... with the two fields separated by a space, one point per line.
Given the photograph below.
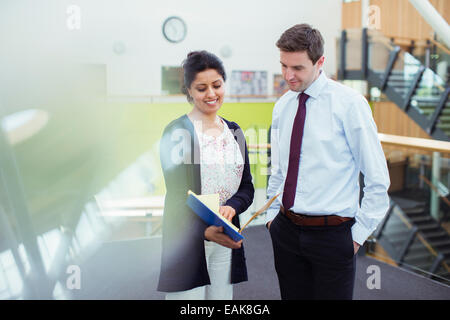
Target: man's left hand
x=356 y=247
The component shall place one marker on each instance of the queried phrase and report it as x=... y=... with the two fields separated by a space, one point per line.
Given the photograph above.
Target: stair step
x=439 y=244
x=414 y=211
x=436 y=235
x=424 y=256
x=443 y=126
x=399 y=84
x=445 y=118
x=417 y=246
x=400 y=90
x=433 y=226
x=395 y=232
x=400 y=73
x=433 y=90
x=421 y=219
x=425 y=266
x=429 y=104
x=430 y=109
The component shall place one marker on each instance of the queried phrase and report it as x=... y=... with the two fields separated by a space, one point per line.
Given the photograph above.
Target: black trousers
x=313 y=262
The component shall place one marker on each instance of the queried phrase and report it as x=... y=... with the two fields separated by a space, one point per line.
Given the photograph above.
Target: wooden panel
x=399 y=18
x=390 y=119
x=351 y=15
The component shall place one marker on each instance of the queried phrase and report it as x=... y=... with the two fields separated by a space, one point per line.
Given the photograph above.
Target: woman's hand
x=227 y=212
x=213 y=233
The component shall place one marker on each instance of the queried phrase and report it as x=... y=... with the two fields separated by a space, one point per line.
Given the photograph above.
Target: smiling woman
x=22 y=125
x=207 y=91
x=196 y=258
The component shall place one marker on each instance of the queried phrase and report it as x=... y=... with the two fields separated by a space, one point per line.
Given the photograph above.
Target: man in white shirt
x=323 y=135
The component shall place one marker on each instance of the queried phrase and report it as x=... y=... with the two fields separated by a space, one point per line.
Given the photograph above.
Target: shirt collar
x=316 y=87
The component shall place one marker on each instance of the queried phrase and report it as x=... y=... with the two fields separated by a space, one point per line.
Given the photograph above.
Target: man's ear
x=320 y=61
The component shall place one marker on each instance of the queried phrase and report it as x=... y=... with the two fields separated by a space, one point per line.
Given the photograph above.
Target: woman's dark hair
x=198 y=61
x=302 y=37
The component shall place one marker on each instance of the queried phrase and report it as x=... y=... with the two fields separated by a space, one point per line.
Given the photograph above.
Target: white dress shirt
x=339 y=141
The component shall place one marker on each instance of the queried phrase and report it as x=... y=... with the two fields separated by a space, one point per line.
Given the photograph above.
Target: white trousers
x=218 y=261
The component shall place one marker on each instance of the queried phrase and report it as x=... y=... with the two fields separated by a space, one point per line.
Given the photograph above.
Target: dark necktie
x=294 y=153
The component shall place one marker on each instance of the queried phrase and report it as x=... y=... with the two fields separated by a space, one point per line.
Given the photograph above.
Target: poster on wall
x=171 y=80
x=279 y=85
x=249 y=83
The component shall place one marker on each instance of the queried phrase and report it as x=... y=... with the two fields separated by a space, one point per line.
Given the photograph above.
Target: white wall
x=249 y=27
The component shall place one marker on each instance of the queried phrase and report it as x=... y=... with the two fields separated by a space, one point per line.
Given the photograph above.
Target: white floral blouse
x=221 y=163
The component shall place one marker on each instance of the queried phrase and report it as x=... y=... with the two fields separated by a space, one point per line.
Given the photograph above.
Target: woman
x=207 y=154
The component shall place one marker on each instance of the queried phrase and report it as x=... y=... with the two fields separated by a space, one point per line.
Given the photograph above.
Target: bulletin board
x=248 y=83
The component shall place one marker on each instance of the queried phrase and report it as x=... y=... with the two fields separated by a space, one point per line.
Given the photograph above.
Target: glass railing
x=415 y=233
x=440 y=60
x=402 y=75
x=419 y=257
x=379 y=48
x=395 y=232
x=353 y=58
x=428 y=93
x=405 y=245
x=410 y=84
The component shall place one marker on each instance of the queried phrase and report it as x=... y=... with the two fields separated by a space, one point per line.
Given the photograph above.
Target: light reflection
x=4 y=292
x=14 y=283
x=24 y=259
x=60 y=292
x=22 y=125
x=84 y=232
x=48 y=244
x=132 y=188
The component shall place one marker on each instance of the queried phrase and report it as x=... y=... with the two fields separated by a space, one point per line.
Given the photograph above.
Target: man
x=323 y=136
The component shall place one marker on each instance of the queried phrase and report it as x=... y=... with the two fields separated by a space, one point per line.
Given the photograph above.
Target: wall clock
x=174 y=29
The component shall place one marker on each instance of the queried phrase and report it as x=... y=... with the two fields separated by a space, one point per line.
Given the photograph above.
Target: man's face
x=298 y=69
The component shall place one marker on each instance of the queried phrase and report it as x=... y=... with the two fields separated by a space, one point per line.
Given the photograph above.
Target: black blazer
x=183 y=262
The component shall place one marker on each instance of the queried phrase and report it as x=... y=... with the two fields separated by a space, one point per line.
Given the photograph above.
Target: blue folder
x=211 y=218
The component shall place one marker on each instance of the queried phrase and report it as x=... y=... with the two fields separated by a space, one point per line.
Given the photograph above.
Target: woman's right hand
x=213 y=233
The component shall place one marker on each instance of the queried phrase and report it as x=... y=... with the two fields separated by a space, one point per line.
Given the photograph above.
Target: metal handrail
x=441 y=46
x=431 y=185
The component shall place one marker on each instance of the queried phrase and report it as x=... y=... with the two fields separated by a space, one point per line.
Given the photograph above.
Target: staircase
x=408 y=233
x=414 y=240
x=417 y=90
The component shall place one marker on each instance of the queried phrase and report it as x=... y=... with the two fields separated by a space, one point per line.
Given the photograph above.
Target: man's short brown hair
x=302 y=37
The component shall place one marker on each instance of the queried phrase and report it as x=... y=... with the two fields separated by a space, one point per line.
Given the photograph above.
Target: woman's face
x=207 y=90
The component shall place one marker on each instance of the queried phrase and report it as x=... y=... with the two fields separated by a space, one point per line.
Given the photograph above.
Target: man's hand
x=356 y=247
x=268 y=224
x=227 y=212
x=213 y=233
